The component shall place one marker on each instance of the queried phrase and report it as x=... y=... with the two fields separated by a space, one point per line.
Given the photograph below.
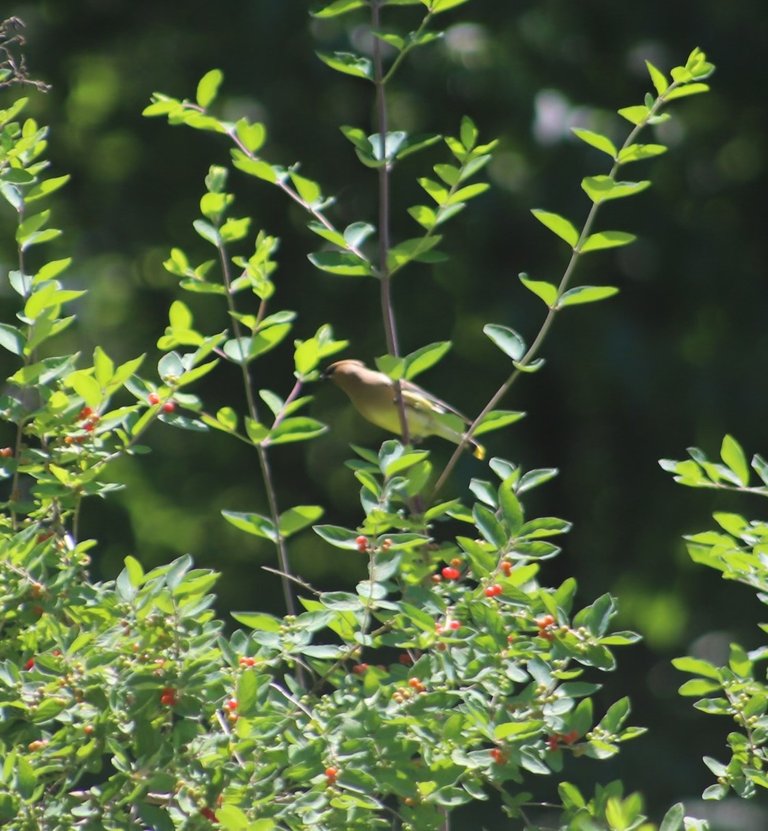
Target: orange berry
x=153 y=398
x=331 y=774
x=6 y=452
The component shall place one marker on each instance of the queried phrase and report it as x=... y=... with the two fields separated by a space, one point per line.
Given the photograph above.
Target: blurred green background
x=677 y=359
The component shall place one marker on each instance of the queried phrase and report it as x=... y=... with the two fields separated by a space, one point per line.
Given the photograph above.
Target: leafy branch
x=686 y=80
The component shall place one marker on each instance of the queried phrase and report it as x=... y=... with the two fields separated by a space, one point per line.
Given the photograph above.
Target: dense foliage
x=451 y=670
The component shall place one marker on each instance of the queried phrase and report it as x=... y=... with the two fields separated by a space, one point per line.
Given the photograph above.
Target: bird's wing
x=420 y=399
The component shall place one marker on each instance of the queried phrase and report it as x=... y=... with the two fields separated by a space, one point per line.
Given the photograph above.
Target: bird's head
x=340 y=370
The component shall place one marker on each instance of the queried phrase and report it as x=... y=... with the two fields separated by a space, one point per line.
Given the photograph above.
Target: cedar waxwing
x=373 y=395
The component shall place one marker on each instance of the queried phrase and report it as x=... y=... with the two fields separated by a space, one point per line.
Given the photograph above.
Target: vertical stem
x=266 y=471
x=385 y=282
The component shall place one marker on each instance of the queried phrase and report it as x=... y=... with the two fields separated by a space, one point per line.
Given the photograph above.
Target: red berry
x=454 y=624
x=405 y=659
x=451 y=573
x=86 y=412
x=362 y=543
x=247 y=661
x=168 y=696
x=231 y=704
x=208 y=813
x=553 y=742
x=493 y=591
x=88 y=729
x=360 y=669
x=30 y=664
x=153 y=398
x=498 y=757
x=6 y=452
x=169 y=406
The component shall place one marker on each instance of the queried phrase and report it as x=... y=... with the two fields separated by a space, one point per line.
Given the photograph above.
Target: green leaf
x=258 y=620
x=606 y=239
x=601 y=188
x=356 y=234
x=489 y=526
x=338 y=7
x=506 y=339
x=468 y=132
x=298 y=517
x=559 y=225
x=660 y=84
x=440 y=6
x=425 y=216
x=348 y=64
x=511 y=509
x=298 y=428
x=585 y=294
x=635 y=115
x=496 y=419
x=673 y=819
x=424 y=358
x=252 y=136
x=335 y=535
x=596 y=140
x=259 y=526
x=208 y=87
x=417 y=249
x=344 y=263
x=543 y=290
x=638 y=152
x=307 y=189
x=12 y=339
x=732 y=454
x=689 y=89
x=254 y=167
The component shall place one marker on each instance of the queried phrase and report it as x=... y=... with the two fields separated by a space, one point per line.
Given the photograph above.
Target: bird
x=372 y=394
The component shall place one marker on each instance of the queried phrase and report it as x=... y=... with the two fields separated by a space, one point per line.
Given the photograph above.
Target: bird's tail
x=478 y=451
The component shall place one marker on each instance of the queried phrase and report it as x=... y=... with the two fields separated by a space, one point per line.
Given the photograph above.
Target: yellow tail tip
x=479 y=452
